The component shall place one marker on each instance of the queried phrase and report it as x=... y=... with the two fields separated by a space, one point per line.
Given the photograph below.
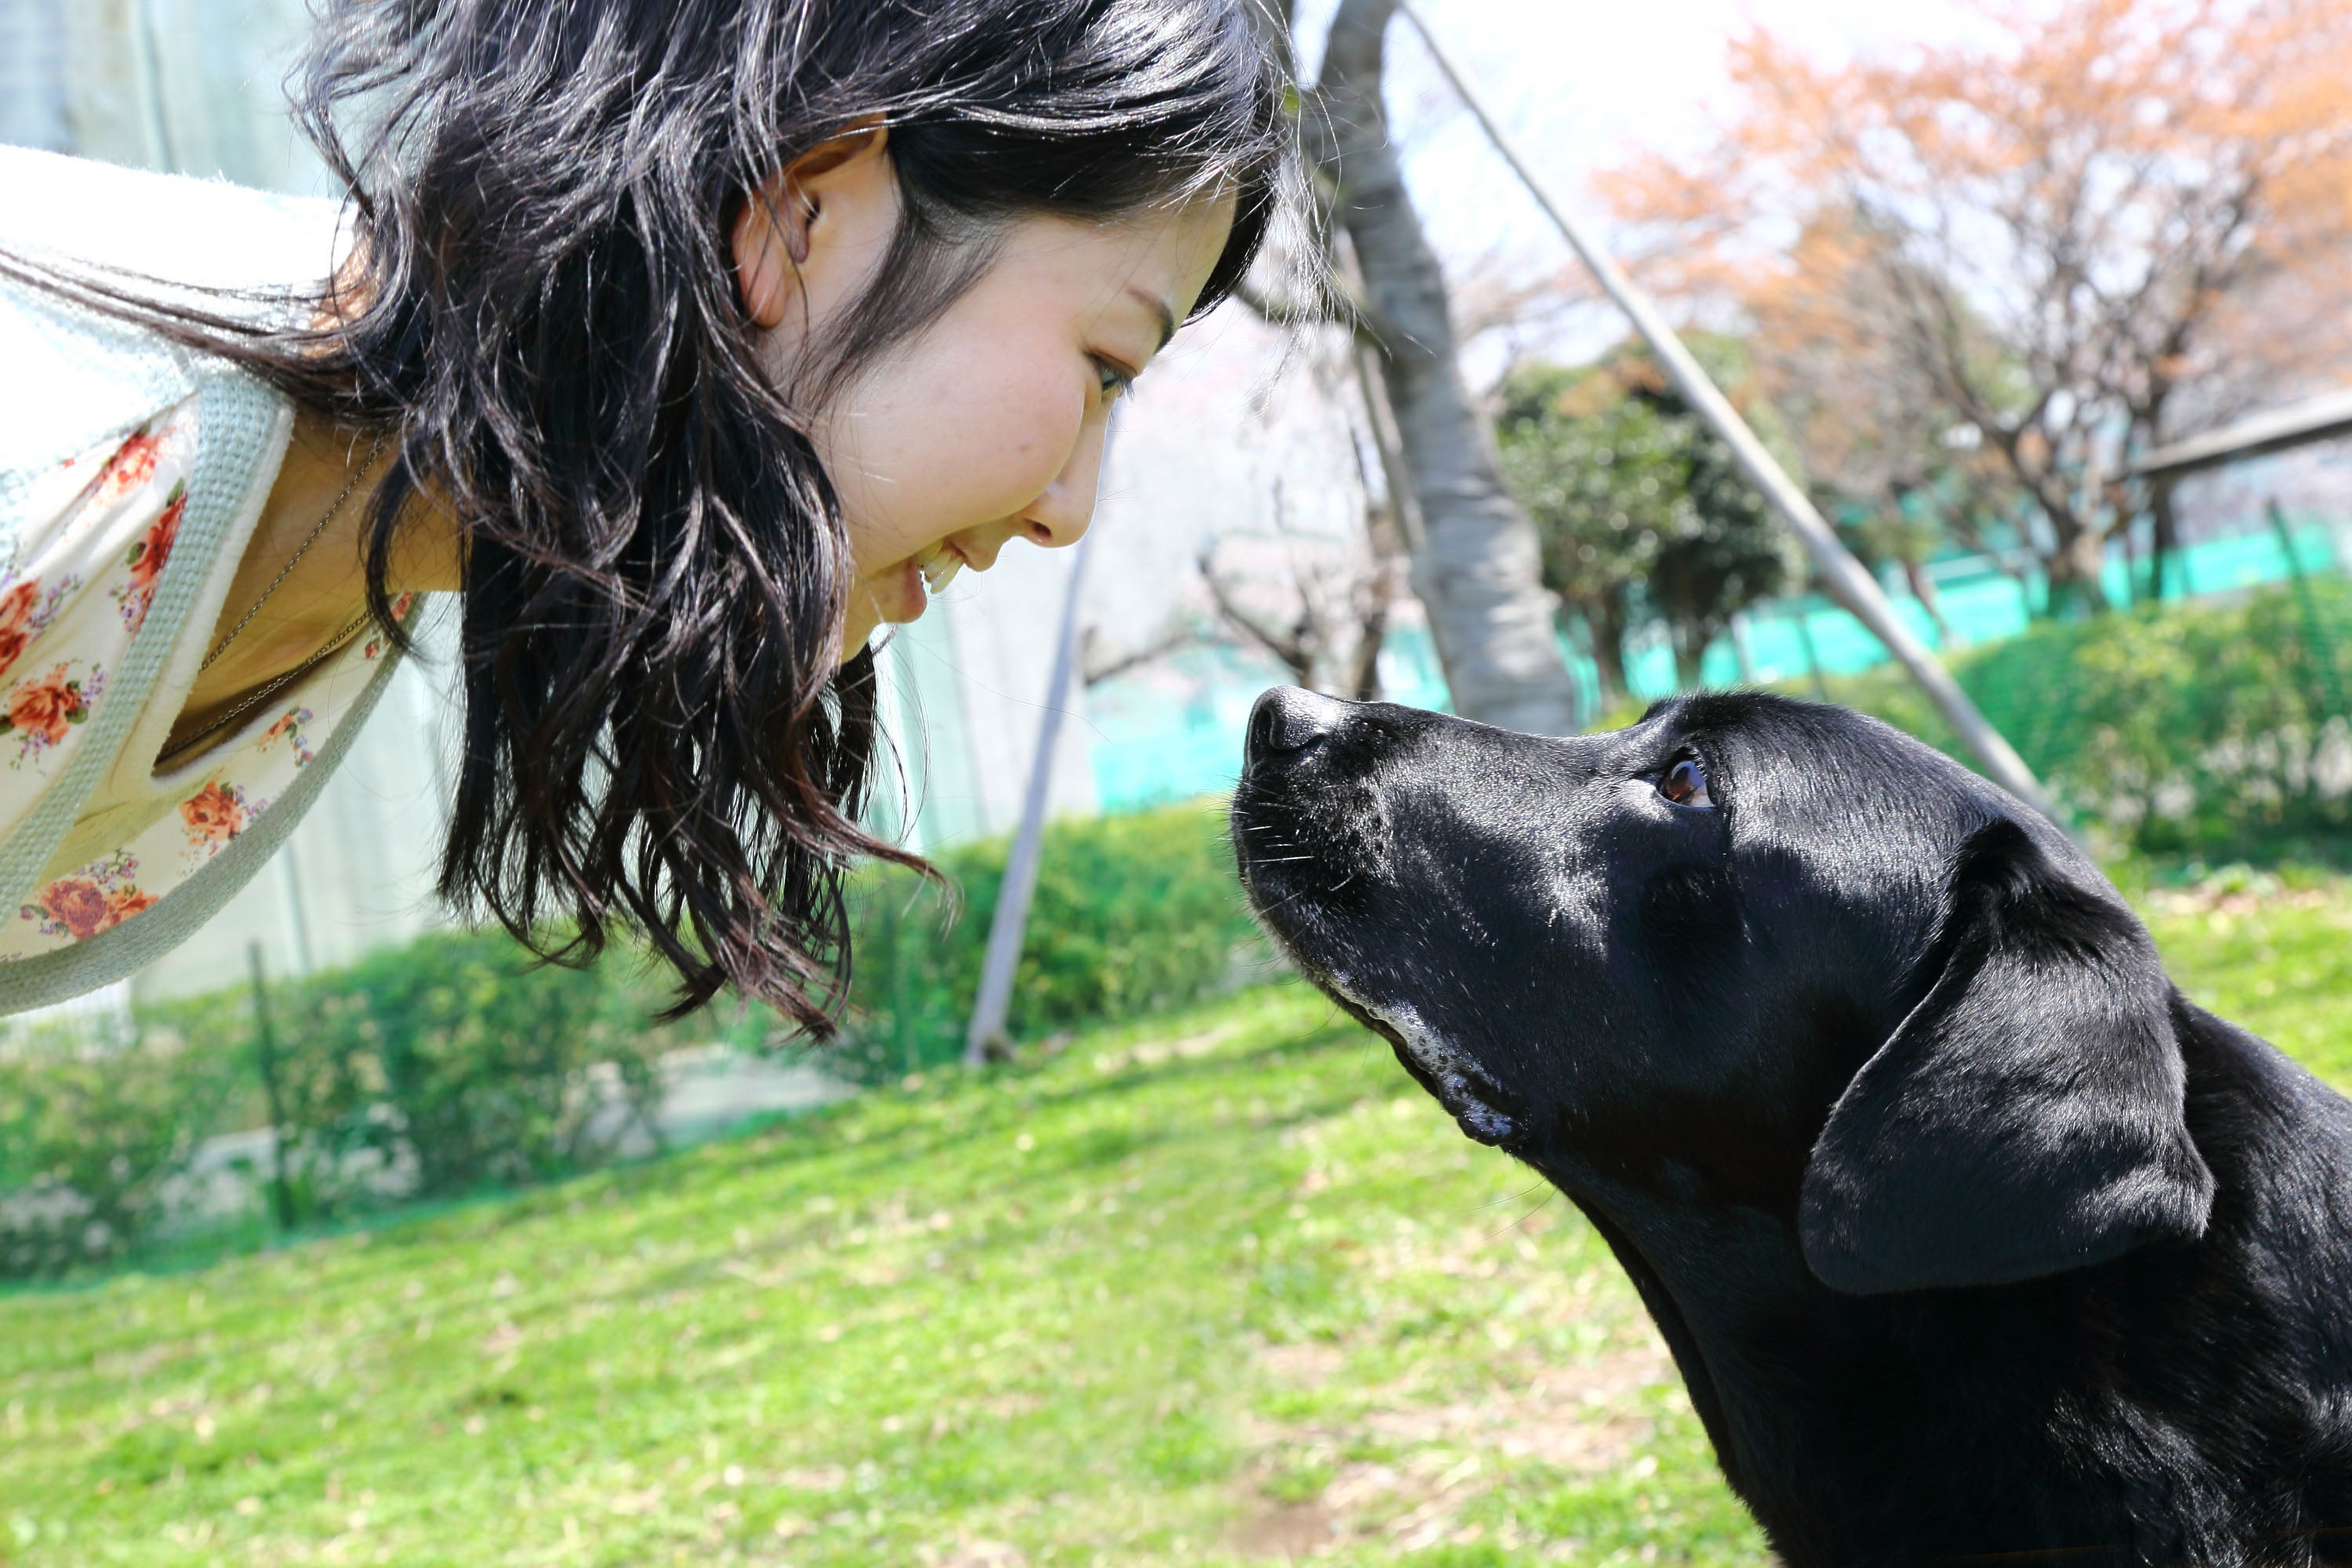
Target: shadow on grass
x=889 y=1129
x=254 y=1236
x=399 y=1223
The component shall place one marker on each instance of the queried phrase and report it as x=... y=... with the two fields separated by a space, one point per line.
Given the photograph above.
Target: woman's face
x=988 y=424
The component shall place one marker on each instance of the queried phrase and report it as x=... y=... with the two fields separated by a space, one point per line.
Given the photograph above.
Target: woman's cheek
x=1014 y=431
x=950 y=441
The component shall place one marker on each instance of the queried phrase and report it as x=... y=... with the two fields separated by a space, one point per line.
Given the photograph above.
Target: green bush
x=2215 y=729
x=481 y=1066
x=453 y=1058
x=454 y=1062
x=1131 y=914
x=92 y=1134
x=422 y=1071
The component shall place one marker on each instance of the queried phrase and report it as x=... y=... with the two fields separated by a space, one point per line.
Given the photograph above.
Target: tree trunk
x=1274 y=18
x=1363 y=677
x=2076 y=569
x=1478 y=573
x=1376 y=595
x=2164 y=537
x=1606 y=621
x=1690 y=645
x=1923 y=588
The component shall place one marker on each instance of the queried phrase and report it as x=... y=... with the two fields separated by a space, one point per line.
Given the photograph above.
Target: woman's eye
x=1684 y=784
x=1116 y=382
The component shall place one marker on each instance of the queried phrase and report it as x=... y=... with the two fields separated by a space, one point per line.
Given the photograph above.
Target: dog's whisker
x=1551 y=1197
x=1536 y=1186
x=1284 y=902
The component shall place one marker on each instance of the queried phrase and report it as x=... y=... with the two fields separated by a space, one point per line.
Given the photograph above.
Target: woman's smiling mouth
x=939 y=566
x=902 y=593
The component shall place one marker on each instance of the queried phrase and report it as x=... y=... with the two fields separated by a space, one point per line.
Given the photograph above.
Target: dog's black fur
x=1970 y=1235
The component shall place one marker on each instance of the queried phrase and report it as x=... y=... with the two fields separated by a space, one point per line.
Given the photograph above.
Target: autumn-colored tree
x=1885 y=453
x=2065 y=238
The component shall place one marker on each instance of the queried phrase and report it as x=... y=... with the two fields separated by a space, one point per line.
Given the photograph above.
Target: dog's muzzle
x=1298 y=834
x=1287 y=720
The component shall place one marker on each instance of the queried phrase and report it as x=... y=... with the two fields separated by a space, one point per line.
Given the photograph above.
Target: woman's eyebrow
x=1161 y=309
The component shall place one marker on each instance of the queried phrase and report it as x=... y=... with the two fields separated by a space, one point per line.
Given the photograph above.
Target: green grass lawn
x=1218 y=1288
x=2272 y=955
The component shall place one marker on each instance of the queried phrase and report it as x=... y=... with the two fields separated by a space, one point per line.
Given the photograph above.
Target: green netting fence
x=2220 y=728
x=1977 y=602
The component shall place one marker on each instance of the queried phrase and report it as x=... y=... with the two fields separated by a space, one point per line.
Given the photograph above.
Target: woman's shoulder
x=69 y=378
x=180 y=234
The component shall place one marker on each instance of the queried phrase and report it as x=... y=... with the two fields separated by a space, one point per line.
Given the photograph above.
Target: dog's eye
x=1684 y=784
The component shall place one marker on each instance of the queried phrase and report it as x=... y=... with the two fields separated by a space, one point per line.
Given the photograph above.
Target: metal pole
x=1846 y=578
x=287 y=866
x=1011 y=921
x=2329 y=689
x=1804 y=624
x=265 y=1055
x=2275 y=515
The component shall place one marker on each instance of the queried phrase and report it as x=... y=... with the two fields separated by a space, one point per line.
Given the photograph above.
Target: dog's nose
x=1288 y=720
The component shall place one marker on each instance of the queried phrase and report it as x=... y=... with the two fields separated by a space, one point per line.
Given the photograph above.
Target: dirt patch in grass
x=1574 y=1419
x=1285 y=1532
x=971 y=1553
x=2233 y=904
x=1404 y=1471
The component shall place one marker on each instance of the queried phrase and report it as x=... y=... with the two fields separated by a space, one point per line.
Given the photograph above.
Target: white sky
x=1580 y=85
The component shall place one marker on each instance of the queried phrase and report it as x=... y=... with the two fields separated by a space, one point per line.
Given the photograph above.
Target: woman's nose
x=1060 y=515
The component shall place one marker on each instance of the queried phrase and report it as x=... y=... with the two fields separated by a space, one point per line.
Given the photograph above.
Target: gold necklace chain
x=278 y=683
x=349 y=486
x=267 y=689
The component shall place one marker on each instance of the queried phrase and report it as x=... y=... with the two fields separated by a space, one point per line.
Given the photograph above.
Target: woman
x=689 y=341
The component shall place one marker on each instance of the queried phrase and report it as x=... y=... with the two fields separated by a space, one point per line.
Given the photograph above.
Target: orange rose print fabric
x=100 y=897
x=214 y=813
x=148 y=557
x=71 y=603
x=42 y=711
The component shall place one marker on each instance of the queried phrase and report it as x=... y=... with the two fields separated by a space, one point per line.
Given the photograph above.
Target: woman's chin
x=899 y=595
x=855 y=635
x=887 y=598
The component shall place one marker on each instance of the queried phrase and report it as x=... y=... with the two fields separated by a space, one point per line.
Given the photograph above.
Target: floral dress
x=70 y=603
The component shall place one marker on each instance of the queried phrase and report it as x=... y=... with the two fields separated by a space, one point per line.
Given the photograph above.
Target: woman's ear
x=783 y=233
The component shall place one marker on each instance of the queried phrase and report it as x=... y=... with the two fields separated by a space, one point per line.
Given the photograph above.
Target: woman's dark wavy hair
x=544 y=312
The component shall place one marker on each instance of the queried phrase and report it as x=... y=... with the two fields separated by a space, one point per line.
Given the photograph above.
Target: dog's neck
x=1786 y=1373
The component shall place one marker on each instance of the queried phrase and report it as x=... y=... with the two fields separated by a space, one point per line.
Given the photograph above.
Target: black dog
x=1972 y=1237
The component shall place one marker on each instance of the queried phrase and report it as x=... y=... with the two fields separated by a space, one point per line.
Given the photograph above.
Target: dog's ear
x=2026 y=1117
